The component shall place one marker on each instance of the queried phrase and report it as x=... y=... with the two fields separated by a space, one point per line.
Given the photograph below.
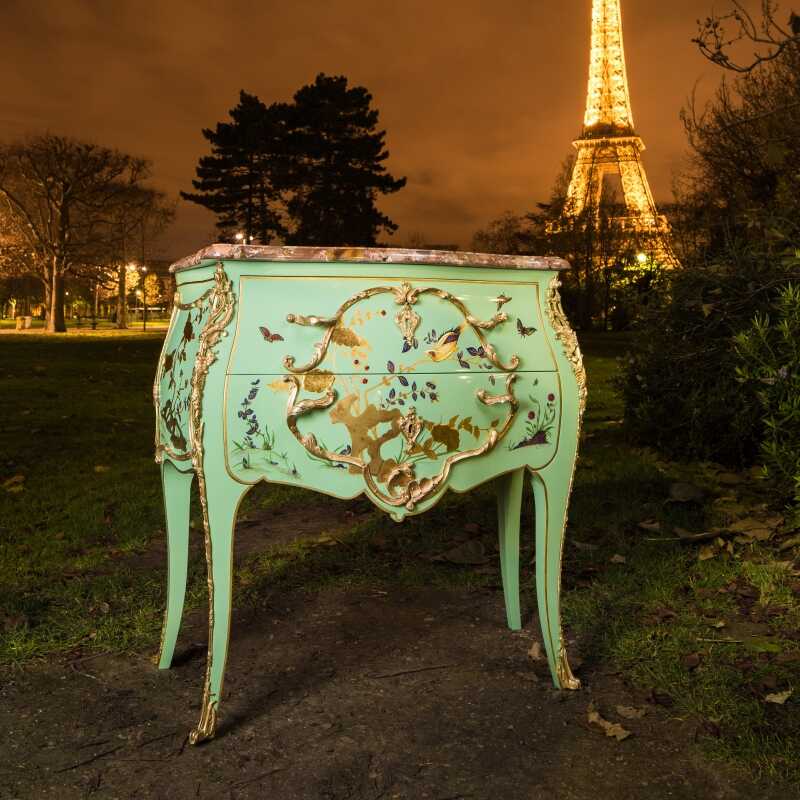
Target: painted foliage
x=175 y=383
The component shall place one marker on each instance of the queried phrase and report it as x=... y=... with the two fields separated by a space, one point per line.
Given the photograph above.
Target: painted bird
x=446 y=345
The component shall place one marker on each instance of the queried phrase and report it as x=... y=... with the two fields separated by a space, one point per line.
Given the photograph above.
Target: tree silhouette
x=308 y=172
x=242 y=178
x=338 y=166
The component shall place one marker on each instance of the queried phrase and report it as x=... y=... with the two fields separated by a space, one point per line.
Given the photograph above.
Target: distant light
x=641 y=258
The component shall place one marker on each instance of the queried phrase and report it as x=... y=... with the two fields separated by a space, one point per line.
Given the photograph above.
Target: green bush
x=769 y=369
x=679 y=382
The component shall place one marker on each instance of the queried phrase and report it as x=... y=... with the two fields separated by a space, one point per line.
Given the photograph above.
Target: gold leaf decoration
x=318 y=381
x=446 y=435
x=345 y=337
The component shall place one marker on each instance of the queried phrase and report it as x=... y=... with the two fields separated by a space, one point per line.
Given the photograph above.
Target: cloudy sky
x=480 y=99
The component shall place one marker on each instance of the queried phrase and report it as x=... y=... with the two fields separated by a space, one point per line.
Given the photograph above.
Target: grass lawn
x=84 y=327
x=710 y=628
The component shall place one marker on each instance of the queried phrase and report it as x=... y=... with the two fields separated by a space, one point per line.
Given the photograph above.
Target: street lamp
x=144 y=298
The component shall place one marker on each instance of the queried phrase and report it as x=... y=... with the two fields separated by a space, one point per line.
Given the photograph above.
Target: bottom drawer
x=400 y=438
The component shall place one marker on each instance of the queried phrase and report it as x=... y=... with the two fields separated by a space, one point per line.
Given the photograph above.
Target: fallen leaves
x=779 y=698
x=14 y=484
x=718 y=547
x=628 y=712
x=752 y=528
x=536 y=653
x=611 y=729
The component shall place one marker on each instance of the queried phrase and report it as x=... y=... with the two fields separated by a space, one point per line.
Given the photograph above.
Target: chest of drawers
x=398 y=374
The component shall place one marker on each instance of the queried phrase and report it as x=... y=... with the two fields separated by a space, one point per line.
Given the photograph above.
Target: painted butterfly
x=523 y=331
x=270 y=337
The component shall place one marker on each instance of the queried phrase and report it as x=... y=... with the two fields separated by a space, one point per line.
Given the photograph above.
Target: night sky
x=480 y=99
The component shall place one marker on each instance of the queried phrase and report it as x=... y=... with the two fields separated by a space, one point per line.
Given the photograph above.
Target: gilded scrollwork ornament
x=566 y=679
x=568 y=339
x=403 y=487
x=406 y=319
x=222 y=302
x=572 y=351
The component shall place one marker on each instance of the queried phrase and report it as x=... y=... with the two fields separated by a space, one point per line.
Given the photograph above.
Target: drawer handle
x=407 y=320
x=502 y=399
x=414 y=491
x=295 y=410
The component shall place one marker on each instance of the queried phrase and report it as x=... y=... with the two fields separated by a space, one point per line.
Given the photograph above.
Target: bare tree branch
x=771 y=39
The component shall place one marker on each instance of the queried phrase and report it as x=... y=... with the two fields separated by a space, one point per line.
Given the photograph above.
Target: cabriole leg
x=551 y=491
x=509 y=507
x=222 y=498
x=177 y=487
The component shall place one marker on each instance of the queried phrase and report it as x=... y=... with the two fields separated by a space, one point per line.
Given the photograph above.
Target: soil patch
x=357 y=695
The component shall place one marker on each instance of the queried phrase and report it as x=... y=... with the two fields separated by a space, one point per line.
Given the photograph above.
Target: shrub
x=679 y=383
x=769 y=369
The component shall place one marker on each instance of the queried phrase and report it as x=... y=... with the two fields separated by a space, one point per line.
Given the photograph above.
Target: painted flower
x=531 y=415
x=551 y=398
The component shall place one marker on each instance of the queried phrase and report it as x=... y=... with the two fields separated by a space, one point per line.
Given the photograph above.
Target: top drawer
x=374 y=325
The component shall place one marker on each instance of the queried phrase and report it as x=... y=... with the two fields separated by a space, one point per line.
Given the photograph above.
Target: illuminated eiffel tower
x=609 y=144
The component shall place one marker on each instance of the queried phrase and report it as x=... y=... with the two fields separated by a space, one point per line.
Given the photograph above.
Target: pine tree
x=242 y=178
x=338 y=166
x=308 y=172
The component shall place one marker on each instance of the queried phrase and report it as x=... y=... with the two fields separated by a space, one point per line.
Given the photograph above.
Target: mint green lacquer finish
x=177 y=486
x=364 y=422
x=509 y=506
x=351 y=372
x=368 y=331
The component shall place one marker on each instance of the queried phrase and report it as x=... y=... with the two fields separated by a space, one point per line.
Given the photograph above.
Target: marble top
x=366 y=255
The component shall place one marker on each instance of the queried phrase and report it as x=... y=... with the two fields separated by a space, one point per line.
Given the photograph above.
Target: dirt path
x=313 y=712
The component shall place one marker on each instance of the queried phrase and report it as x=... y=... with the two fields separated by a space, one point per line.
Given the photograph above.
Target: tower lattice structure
x=609 y=144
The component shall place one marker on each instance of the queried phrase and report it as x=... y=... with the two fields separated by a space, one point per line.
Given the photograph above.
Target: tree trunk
x=122 y=297
x=47 y=282
x=55 y=317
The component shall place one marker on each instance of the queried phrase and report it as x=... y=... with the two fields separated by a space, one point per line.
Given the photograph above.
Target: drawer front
x=397 y=437
x=371 y=325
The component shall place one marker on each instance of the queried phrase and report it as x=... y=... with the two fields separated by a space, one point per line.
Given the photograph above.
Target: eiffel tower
x=609 y=144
